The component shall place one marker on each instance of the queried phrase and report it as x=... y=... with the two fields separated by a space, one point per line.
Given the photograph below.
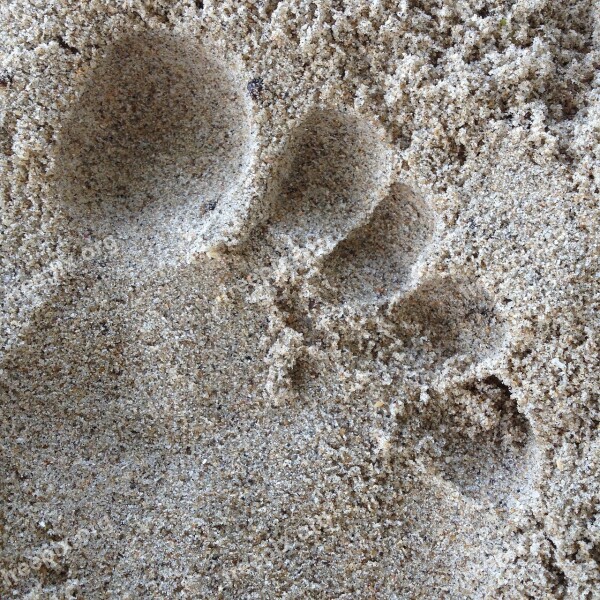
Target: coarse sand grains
x=299 y=299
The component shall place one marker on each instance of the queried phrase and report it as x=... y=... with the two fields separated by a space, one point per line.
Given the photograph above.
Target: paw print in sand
x=295 y=272
x=345 y=241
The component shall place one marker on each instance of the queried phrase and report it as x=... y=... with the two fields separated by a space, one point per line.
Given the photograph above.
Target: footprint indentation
x=156 y=142
x=489 y=462
x=157 y=138
x=444 y=318
x=376 y=260
x=333 y=171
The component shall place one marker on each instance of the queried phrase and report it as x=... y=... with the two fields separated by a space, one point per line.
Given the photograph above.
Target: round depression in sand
x=158 y=136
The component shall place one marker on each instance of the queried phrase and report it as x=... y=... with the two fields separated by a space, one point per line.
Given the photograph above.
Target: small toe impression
x=446 y=319
x=158 y=136
x=488 y=460
x=334 y=170
x=376 y=260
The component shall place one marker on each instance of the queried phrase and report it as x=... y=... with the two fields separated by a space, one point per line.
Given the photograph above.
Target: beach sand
x=299 y=299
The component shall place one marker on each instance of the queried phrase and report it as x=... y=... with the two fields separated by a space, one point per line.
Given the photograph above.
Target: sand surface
x=299 y=299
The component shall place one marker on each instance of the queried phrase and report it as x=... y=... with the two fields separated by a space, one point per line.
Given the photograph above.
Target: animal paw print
x=161 y=154
x=342 y=246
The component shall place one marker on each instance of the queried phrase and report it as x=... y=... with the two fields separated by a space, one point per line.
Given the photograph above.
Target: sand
x=299 y=299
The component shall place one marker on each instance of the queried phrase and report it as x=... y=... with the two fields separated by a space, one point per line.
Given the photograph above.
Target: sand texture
x=299 y=299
